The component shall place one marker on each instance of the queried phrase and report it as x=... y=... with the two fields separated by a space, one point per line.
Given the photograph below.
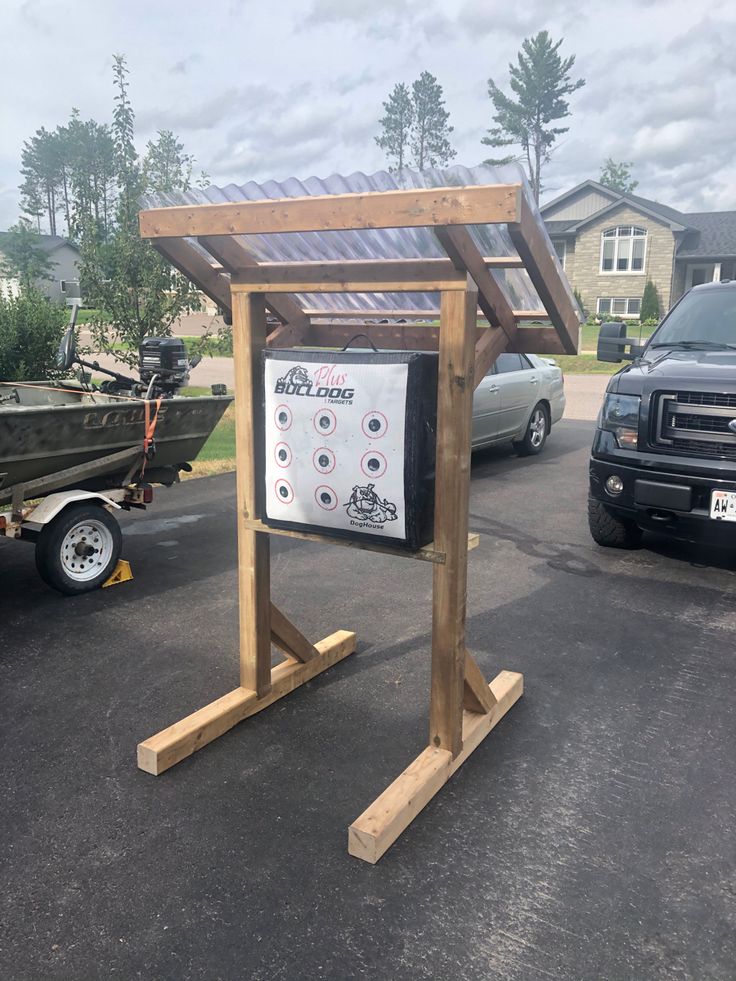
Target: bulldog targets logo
x=327 y=384
x=365 y=507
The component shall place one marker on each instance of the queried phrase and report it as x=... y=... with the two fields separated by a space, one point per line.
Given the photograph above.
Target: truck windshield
x=704 y=318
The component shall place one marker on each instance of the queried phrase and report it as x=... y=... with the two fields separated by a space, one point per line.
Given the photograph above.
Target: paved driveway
x=589 y=837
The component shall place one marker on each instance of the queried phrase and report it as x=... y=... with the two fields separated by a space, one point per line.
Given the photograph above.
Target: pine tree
x=617 y=176
x=124 y=276
x=396 y=124
x=540 y=82
x=430 y=142
x=649 y=302
x=166 y=167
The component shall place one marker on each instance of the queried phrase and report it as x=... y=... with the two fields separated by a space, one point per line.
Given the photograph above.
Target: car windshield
x=703 y=318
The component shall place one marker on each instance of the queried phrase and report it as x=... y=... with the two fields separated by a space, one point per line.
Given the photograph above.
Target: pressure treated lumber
x=478 y=696
x=427 y=554
x=235 y=257
x=422 y=337
x=380 y=825
x=388 y=209
x=452 y=488
x=196 y=268
x=288 y=638
x=180 y=740
x=254 y=551
x=464 y=254
x=533 y=247
x=394 y=282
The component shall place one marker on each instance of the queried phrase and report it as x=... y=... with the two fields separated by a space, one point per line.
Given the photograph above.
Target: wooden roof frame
x=463 y=706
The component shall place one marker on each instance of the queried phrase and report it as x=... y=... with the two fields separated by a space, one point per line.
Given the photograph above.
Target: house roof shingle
x=707 y=234
x=713 y=235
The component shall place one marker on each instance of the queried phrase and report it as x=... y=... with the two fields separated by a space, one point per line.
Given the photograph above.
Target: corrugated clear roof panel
x=375 y=243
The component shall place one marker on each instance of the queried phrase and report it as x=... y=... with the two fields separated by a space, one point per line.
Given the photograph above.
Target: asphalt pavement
x=590 y=836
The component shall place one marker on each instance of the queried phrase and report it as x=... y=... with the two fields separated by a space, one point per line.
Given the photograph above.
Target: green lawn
x=589 y=340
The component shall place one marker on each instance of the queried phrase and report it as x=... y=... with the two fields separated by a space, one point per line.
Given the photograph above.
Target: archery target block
x=349 y=443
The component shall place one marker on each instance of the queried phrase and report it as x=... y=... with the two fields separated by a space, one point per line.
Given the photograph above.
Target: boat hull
x=38 y=440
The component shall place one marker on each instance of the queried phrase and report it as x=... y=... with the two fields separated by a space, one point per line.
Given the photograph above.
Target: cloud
x=356 y=11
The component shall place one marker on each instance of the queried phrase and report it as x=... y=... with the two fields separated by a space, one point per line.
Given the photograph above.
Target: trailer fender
x=54 y=504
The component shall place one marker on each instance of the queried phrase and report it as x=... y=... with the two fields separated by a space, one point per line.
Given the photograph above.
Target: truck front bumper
x=673 y=504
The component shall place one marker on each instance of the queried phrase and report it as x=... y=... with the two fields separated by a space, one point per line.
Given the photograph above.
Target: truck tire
x=610 y=531
x=79 y=549
x=537 y=431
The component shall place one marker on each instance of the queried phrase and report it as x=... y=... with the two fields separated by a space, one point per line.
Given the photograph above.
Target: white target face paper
x=335 y=445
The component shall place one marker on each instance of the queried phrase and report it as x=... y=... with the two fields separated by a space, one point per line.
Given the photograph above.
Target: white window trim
x=624 y=272
x=629 y=316
x=563 y=243
x=710 y=267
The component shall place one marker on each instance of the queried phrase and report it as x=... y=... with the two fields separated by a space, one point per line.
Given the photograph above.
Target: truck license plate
x=723 y=505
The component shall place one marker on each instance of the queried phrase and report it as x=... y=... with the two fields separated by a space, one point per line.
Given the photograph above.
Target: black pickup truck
x=664 y=452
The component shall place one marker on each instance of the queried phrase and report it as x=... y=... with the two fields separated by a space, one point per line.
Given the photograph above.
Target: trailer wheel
x=78 y=550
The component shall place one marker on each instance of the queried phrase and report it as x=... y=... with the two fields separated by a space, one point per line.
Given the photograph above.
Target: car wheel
x=537 y=430
x=79 y=549
x=609 y=530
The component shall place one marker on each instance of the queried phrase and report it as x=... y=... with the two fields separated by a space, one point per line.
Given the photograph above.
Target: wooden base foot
x=380 y=825
x=174 y=744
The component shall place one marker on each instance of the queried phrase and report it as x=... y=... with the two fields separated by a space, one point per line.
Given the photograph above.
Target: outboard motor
x=163 y=362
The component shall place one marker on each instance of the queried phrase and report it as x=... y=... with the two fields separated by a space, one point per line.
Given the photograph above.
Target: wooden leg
x=454 y=414
x=254 y=564
x=174 y=744
x=380 y=825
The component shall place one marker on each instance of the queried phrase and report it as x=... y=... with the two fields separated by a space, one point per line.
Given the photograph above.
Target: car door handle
x=492 y=388
x=533 y=381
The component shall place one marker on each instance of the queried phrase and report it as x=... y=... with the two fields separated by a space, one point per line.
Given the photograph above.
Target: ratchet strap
x=149 y=447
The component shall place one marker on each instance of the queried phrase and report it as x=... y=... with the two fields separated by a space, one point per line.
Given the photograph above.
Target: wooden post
x=454 y=418
x=254 y=548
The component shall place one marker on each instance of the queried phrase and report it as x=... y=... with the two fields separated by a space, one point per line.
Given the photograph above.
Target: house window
x=560 y=250
x=619 y=306
x=622 y=249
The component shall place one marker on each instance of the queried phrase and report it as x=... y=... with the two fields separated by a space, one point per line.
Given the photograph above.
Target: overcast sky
x=288 y=88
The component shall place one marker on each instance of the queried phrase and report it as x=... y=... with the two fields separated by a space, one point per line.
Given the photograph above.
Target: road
x=590 y=836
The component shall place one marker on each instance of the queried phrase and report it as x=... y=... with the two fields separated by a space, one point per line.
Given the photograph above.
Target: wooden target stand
x=464 y=707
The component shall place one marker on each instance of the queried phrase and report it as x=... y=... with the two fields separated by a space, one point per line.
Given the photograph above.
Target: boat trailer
x=77 y=538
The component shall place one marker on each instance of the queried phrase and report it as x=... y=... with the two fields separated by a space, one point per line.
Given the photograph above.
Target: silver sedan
x=519 y=399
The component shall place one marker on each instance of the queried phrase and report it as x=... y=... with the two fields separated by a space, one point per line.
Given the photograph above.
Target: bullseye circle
x=374 y=424
x=284 y=491
x=283 y=417
x=282 y=454
x=323 y=460
x=325 y=422
x=373 y=464
x=326 y=497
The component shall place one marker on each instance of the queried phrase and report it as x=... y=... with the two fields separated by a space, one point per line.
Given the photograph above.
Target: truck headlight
x=620 y=416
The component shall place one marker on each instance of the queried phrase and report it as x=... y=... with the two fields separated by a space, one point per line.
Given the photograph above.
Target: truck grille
x=695 y=423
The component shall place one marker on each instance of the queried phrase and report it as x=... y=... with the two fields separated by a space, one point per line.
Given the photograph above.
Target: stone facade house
x=610 y=243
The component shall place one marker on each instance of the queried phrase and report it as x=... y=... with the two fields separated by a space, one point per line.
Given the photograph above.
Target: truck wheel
x=609 y=530
x=78 y=550
x=537 y=431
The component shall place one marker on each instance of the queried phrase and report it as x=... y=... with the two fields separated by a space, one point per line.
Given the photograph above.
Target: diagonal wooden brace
x=478 y=696
x=289 y=638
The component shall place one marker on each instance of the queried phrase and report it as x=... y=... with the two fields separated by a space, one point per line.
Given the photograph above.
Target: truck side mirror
x=612 y=344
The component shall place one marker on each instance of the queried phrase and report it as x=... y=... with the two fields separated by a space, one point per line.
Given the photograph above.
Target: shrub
x=650 y=302
x=30 y=331
x=578 y=297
